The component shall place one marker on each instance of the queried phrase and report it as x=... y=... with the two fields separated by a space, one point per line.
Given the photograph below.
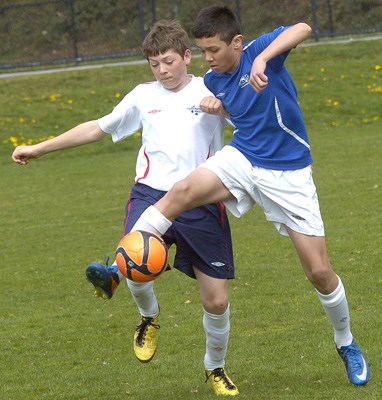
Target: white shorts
x=286 y=197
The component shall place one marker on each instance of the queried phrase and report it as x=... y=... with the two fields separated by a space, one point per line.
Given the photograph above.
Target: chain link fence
x=47 y=32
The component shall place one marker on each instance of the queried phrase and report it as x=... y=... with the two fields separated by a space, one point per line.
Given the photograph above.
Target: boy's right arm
x=212 y=105
x=87 y=132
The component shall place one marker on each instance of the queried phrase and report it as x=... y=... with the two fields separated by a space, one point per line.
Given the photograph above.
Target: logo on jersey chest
x=244 y=80
x=195 y=110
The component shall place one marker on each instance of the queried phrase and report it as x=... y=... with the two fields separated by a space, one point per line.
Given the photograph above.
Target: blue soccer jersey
x=270 y=129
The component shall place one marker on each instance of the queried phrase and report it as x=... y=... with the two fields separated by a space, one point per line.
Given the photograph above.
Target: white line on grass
x=143 y=61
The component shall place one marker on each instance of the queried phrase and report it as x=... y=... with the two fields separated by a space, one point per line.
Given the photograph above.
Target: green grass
x=65 y=210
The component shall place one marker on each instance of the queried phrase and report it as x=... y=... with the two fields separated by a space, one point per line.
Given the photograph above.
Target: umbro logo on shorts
x=218 y=264
x=297 y=217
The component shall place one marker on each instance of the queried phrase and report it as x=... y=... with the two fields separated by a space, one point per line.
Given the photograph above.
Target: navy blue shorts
x=202 y=235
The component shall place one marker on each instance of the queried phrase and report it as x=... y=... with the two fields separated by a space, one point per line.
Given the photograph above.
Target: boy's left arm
x=286 y=41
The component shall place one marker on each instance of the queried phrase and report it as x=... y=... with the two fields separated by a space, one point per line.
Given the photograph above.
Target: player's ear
x=187 y=56
x=237 y=41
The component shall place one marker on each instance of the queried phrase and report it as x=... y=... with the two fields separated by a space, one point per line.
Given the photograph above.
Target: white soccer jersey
x=176 y=135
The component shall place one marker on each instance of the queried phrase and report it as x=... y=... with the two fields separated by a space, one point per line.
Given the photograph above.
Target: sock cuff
x=156 y=219
x=139 y=287
x=218 y=320
x=334 y=298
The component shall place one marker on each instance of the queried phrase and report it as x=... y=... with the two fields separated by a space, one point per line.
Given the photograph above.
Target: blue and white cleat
x=357 y=367
x=104 y=279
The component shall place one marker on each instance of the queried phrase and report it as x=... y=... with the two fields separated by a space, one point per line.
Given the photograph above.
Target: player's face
x=220 y=56
x=170 y=69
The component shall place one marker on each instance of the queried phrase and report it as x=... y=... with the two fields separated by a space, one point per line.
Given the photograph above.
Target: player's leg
x=313 y=256
x=201 y=186
x=145 y=336
x=216 y=323
x=204 y=252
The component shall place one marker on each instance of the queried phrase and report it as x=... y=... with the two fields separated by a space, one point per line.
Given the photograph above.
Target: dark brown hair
x=216 y=20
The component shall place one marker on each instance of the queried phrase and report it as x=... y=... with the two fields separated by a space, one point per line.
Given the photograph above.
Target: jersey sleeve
x=125 y=119
x=262 y=42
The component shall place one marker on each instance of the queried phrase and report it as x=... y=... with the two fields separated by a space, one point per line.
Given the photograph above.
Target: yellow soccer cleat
x=145 y=339
x=221 y=383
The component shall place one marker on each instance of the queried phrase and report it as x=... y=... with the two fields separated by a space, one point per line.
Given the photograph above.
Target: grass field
x=65 y=210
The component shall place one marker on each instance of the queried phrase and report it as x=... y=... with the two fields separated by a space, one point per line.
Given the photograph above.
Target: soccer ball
x=141 y=256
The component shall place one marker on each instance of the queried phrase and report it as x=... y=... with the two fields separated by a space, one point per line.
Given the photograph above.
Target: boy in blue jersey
x=268 y=161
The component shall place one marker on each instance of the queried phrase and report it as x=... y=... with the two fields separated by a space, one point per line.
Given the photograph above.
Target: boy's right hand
x=22 y=154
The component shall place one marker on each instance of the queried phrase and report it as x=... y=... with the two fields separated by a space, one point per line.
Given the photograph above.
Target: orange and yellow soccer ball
x=141 y=256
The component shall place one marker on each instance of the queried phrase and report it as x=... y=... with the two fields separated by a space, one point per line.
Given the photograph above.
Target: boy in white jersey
x=268 y=161
x=177 y=136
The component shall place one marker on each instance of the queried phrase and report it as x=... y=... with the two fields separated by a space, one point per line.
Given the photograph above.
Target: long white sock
x=217 y=334
x=336 y=307
x=152 y=220
x=144 y=297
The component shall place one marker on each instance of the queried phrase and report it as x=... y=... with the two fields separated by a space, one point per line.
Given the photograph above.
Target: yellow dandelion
x=13 y=139
x=322 y=69
x=70 y=101
x=378 y=67
x=52 y=98
x=305 y=85
x=375 y=89
x=117 y=95
x=335 y=103
x=21 y=120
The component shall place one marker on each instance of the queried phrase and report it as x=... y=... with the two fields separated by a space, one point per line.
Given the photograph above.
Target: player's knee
x=216 y=305
x=182 y=192
x=319 y=276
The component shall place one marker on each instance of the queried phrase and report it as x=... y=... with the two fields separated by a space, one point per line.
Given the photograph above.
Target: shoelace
x=219 y=375
x=352 y=355
x=142 y=329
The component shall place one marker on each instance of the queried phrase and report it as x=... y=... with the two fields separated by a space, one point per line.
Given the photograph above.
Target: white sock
x=217 y=333
x=120 y=275
x=144 y=297
x=152 y=220
x=337 y=309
